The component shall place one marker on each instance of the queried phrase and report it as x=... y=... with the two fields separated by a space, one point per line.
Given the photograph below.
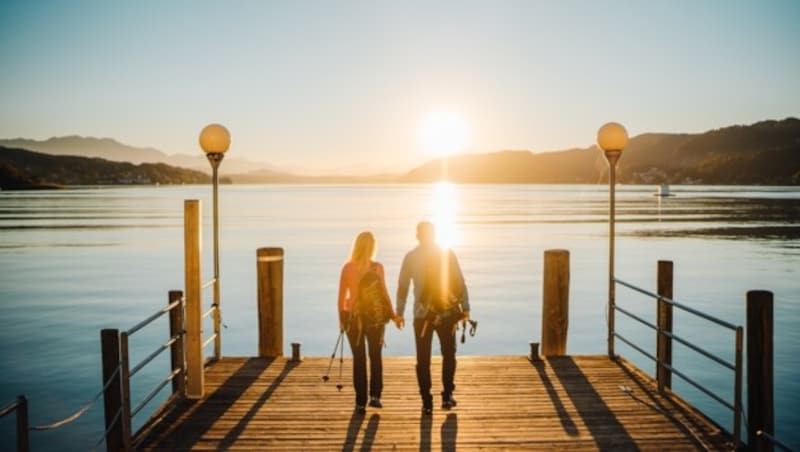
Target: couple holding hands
x=440 y=302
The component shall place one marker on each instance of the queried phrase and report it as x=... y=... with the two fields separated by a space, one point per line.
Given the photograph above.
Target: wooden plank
x=503 y=402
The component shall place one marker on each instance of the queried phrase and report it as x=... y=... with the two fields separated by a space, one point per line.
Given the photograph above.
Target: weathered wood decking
x=504 y=402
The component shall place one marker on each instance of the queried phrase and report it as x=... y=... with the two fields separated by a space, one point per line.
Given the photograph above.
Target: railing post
x=176 y=350
x=760 y=403
x=23 y=444
x=125 y=384
x=664 y=322
x=269 y=263
x=555 y=303
x=112 y=396
x=737 y=390
x=193 y=320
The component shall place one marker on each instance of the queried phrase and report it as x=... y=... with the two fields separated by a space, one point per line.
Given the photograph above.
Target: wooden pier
x=558 y=401
x=504 y=402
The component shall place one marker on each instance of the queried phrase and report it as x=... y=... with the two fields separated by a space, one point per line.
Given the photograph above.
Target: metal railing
x=208 y=284
x=20 y=406
x=116 y=349
x=124 y=413
x=764 y=436
x=215 y=335
x=128 y=373
x=736 y=367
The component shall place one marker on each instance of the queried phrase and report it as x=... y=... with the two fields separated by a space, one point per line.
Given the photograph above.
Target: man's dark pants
x=446 y=331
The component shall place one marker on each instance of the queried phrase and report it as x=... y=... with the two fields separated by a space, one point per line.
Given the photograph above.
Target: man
x=425 y=265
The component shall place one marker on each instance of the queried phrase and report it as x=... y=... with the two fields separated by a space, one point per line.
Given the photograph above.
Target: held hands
x=344 y=321
x=399 y=322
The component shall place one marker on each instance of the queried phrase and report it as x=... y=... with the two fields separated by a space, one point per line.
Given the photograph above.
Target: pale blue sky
x=340 y=85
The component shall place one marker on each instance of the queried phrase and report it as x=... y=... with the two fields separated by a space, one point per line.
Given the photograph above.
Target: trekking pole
x=341 y=363
x=333 y=356
x=473 y=327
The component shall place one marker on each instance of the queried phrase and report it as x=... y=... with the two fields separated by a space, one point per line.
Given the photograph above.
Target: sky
x=340 y=86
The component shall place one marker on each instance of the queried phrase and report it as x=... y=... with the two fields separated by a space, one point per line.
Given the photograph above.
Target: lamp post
x=611 y=138
x=215 y=140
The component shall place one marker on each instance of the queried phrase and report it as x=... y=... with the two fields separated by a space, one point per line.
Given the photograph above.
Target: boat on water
x=663 y=191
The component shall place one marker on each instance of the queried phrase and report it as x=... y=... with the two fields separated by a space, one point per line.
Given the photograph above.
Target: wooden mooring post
x=555 y=303
x=664 y=323
x=269 y=263
x=193 y=313
x=760 y=402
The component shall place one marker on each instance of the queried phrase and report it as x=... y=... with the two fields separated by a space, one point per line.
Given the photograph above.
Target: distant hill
x=23 y=169
x=110 y=149
x=764 y=153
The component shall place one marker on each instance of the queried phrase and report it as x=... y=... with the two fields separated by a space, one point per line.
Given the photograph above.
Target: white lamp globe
x=215 y=139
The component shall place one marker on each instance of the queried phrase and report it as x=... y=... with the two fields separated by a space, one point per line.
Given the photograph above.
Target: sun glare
x=445 y=208
x=443 y=132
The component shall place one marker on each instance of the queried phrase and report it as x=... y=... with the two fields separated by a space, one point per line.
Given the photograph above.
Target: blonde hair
x=364 y=248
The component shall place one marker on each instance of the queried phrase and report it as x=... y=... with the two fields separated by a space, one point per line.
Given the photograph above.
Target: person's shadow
x=352 y=432
x=370 y=432
x=354 y=428
x=449 y=432
x=425 y=423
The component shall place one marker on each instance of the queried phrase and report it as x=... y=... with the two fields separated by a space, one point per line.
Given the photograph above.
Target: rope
x=105 y=434
x=11 y=407
x=82 y=410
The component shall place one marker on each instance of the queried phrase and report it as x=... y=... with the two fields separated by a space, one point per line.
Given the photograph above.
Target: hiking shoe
x=375 y=402
x=361 y=409
x=448 y=403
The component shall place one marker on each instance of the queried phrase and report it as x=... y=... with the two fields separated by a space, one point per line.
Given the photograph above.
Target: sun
x=443 y=132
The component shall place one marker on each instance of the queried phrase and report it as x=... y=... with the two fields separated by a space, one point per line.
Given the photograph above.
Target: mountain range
x=113 y=150
x=763 y=153
x=23 y=169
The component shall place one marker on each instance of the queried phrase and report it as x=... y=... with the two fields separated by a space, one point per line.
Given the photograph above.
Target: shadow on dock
x=597 y=417
x=505 y=402
x=685 y=418
x=204 y=413
x=449 y=432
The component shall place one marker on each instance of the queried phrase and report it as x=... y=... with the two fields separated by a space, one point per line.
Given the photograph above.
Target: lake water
x=76 y=261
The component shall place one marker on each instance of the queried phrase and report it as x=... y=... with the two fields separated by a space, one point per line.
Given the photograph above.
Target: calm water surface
x=76 y=261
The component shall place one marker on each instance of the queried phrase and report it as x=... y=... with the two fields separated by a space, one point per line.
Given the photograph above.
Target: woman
x=363 y=334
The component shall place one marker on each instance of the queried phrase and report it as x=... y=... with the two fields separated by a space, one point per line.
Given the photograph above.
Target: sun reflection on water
x=445 y=206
